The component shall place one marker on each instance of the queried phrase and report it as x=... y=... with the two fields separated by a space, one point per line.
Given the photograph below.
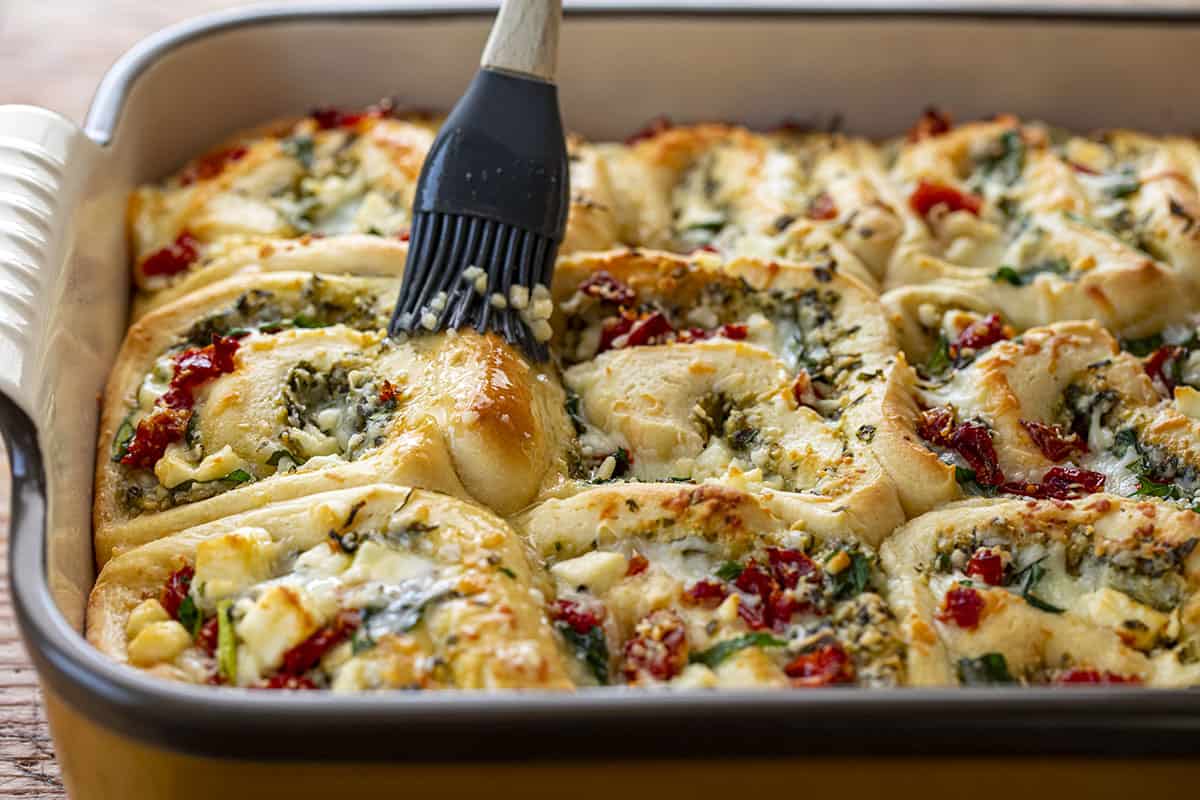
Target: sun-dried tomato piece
x=706 y=593
x=822 y=208
x=827 y=665
x=936 y=426
x=388 y=393
x=196 y=366
x=988 y=566
x=1059 y=483
x=963 y=606
x=735 y=331
x=174 y=258
x=928 y=196
x=284 y=680
x=304 y=656
x=1050 y=439
x=982 y=332
x=658 y=648
x=647 y=330
x=973 y=441
x=931 y=123
x=210 y=166
x=328 y=118
x=654 y=127
x=1161 y=367
x=154 y=433
x=603 y=286
x=581 y=618
x=1094 y=676
x=175 y=589
x=612 y=329
x=638 y=564
x=206 y=637
x=789 y=566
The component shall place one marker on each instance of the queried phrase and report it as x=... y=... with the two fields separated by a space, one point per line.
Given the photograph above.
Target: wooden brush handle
x=524 y=39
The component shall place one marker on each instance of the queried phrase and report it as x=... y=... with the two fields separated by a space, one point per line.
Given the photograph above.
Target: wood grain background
x=52 y=54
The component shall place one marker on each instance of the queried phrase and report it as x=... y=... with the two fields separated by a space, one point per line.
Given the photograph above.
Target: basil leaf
x=238 y=476
x=966 y=481
x=1144 y=346
x=226 y=641
x=1006 y=158
x=939 y=359
x=729 y=571
x=123 y=437
x=1028 y=578
x=304 y=321
x=854 y=579
x=1152 y=488
x=723 y=650
x=574 y=412
x=299 y=148
x=1025 y=275
x=590 y=647
x=281 y=454
x=1008 y=275
x=989 y=669
x=189 y=616
x=507 y=571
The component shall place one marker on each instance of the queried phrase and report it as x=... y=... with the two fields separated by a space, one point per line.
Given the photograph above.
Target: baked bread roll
x=780 y=380
x=1043 y=226
x=262 y=388
x=1060 y=412
x=705 y=586
x=804 y=197
x=377 y=587
x=1103 y=590
x=266 y=198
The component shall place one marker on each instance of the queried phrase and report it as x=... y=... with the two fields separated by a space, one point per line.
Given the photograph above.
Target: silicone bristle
x=441 y=290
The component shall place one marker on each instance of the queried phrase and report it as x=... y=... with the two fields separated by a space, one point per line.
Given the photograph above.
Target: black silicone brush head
x=489 y=214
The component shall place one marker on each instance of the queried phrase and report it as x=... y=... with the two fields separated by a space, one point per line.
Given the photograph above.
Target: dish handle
x=44 y=165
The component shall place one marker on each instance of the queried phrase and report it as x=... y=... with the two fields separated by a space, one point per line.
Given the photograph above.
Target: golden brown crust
x=488 y=633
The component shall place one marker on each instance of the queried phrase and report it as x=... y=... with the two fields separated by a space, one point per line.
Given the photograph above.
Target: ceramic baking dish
x=64 y=287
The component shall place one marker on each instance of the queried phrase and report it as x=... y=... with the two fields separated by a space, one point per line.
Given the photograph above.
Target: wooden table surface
x=52 y=54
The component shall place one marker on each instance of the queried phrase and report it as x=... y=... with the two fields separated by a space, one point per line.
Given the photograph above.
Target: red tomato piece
x=931 y=123
x=1160 y=366
x=789 y=566
x=304 y=656
x=658 y=649
x=206 y=637
x=1050 y=439
x=174 y=258
x=581 y=618
x=822 y=208
x=210 y=166
x=706 y=593
x=928 y=196
x=825 y=666
x=654 y=127
x=176 y=589
x=648 y=330
x=963 y=606
x=1094 y=676
x=936 y=426
x=988 y=566
x=973 y=441
x=154 y=432
x=637 y=565
x=603 y=286
x=982 y=332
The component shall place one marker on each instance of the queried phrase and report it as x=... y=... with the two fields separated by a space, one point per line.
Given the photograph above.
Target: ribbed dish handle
x=42 y=172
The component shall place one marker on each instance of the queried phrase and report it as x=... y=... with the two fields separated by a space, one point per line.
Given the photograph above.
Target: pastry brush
x=491 y=202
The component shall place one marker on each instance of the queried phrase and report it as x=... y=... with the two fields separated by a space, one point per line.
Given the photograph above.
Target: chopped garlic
x=158 y=642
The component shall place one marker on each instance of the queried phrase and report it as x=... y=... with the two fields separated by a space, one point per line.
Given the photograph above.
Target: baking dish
x=63 y=302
